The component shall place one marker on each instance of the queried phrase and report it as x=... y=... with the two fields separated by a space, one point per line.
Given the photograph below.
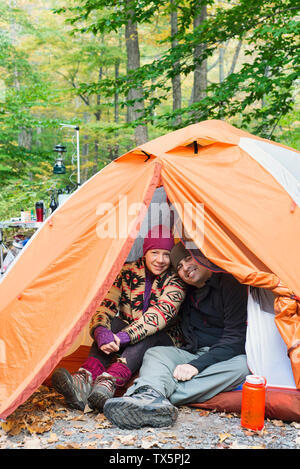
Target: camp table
x=13 y=224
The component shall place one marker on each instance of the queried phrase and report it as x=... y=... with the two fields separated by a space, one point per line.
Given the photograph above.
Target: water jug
x=253 y=402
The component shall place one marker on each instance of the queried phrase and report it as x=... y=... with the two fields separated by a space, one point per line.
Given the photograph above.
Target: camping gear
x=245 y=191
x=39 y=209
x=253 y=403
x=14 y=250
x=53 y=204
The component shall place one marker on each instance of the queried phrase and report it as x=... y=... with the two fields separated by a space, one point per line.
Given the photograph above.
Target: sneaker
x=75 y=388
x=104 y=388
x=146 y=407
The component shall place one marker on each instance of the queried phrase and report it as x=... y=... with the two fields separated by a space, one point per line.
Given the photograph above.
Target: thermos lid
x=254 y=379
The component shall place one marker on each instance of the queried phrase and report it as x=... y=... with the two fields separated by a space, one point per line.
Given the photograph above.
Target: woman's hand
x=111 y=346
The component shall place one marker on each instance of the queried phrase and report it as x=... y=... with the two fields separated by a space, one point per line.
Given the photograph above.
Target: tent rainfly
x=247 y=191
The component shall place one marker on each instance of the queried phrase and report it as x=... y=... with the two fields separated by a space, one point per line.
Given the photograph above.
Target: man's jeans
x=160 y=362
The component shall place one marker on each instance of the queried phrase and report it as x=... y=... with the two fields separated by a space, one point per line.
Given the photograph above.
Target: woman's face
x=157 y=260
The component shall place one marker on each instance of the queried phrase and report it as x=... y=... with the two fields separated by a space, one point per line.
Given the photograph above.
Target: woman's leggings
x=133 y=353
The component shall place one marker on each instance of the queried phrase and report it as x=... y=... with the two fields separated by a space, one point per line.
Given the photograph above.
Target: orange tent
x=249 y=189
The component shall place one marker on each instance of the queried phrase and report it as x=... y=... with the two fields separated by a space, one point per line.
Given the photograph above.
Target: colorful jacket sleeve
x=160 y=315
x=108 y=308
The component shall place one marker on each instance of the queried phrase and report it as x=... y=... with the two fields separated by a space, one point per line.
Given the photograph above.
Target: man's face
x=193 y=273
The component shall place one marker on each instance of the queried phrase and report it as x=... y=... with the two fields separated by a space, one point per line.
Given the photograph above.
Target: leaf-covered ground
x=44 y=422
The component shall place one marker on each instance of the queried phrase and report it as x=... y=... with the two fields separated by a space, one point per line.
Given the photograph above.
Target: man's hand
x=185 y=372
x=111 y=346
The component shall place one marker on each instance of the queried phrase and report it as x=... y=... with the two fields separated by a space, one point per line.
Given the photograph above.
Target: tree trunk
x=25 y=135
x=221 y=63
x=235 y=57
x=176 y=80
x=200 y=73
x=116 y=95
x=97 y=113
x=136 y=93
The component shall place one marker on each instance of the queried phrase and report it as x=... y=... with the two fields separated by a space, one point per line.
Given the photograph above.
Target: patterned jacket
x=126 y=299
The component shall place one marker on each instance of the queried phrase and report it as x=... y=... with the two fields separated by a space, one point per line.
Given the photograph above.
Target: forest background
x=127 y=71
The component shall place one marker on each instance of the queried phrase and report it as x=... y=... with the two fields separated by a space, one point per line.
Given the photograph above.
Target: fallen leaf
x=278 y=423
x=91 y=445
x=100 y=418
x=147 y=444
x=79 y=418
x=102 y=421
x=127 y=440
x=69 y=446
x=203 y=413
x=236 y=445
x=115 y=444
x=228 y=416
x=256 y=432
x=295 y=424
x=166 y=435
x=32 y=443
x=39 y=426
x=224 y=436
x=53 y=438
x=97 y=435
x=185 y=410
x=87 y=409
x=13 y=427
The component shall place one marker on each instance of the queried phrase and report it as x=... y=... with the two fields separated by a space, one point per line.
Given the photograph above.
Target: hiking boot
x=145 y=407
x=104 y=388
x=75 y=388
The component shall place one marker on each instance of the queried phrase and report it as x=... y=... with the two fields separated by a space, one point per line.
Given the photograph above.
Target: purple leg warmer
x=94 y=366
x=121 y=372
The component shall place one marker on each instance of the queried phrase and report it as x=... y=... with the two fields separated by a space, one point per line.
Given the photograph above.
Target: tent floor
x=281 y=403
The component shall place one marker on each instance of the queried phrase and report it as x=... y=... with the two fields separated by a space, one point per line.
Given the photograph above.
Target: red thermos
x=39 y=208
x=253 y=402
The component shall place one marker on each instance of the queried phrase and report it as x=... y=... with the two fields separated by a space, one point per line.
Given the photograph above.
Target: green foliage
x=261 y=92
x=68 y=65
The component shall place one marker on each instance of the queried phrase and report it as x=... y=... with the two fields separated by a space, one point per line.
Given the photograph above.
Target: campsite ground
x=44 y=422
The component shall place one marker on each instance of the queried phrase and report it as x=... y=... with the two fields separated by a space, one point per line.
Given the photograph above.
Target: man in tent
x=138 y=312
x=212 y=360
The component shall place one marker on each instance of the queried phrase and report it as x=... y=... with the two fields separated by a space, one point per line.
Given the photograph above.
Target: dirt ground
x=44 y=422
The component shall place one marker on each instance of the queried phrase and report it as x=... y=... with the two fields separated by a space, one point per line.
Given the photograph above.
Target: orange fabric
x=244 y=232
x=281 y=404
x=52 y=291
x=58 y=281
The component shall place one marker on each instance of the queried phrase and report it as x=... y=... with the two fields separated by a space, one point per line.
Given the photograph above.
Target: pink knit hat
x=158 y=237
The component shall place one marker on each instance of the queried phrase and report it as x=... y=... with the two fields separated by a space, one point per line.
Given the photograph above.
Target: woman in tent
x=139 y=312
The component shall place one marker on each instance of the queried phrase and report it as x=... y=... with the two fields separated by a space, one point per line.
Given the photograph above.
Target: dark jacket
x=215 y=316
